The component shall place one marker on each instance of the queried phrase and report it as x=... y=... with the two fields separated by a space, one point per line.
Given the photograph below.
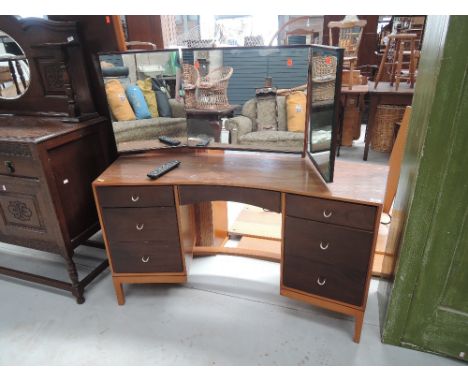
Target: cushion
x=137 y=100
x=296 y=111
x=115 y=71
x=282 y=117
x=249 y=109
x=118 y=102
x=147 y=88
x=162 y=99
x=266 y=113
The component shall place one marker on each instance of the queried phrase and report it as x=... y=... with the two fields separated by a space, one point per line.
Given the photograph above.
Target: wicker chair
x=212 y=89
x=323 y=78
x=350 y=39
x=191 y=79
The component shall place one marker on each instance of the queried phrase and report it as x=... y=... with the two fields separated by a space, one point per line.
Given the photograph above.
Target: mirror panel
x=247 y=98
x=143 y=102
x=325 y=85
x=14 y=68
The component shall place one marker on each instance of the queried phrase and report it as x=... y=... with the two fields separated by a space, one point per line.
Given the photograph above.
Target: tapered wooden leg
x=358 y=321
x=119 y=293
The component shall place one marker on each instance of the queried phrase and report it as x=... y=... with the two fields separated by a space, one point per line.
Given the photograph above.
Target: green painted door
x=428 y=307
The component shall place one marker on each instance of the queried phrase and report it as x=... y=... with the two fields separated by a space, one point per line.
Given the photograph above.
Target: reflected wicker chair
x=191 y=79
x=212 y=89
x=323 y=78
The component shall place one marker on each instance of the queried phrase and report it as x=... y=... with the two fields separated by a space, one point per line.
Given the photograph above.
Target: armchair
x=212 y=89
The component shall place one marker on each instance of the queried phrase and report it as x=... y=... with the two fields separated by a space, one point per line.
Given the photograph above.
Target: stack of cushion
x=145 y=100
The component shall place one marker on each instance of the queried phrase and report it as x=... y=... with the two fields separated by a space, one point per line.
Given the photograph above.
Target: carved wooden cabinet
x=53 y=144
x=46 y=199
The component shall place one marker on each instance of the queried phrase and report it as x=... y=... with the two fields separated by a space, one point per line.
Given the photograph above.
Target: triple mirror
x=249 y=98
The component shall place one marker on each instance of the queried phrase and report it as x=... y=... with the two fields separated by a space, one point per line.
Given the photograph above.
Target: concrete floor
x=229 y=313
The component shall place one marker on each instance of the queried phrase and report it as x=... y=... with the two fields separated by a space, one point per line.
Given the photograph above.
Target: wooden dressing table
x=328 y=233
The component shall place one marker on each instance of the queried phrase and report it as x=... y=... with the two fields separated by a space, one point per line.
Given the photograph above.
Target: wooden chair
x=349 y=39
x=398 y=48
x=212 y=89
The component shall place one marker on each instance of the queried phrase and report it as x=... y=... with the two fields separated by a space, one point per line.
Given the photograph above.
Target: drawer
x=270 y=200
x=330 y=244
x=331 y=211
x=18 y=166
x=146 y=256
x=136 y=196
x=138 y=224
x=340 y=284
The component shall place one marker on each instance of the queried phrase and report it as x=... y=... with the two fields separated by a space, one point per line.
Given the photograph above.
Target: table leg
x=370 y=124
x=119 y=293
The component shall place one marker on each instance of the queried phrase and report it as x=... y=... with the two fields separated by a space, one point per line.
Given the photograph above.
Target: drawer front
x=262 y=198
x=138 y=224
x=18 y=166
x=331 y=211
x=341 y=284
x=327 y=244
x=146 y=256
x=136 y=196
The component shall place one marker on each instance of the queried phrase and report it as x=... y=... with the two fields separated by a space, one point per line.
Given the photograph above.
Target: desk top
x=384 y=87
x=354 y=181
x=355 y=89
x=223 y=111
x=16 y=128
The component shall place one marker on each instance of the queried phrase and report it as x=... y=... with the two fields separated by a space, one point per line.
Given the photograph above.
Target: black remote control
x=169 y=141
x=161 y=170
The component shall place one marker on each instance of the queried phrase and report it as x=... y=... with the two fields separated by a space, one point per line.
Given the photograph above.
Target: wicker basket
x=323 y=91
x=384 y=131
x=324 y=67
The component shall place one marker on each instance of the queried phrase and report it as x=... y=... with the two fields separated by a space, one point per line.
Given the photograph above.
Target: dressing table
x=328 y=235
x=153 y=228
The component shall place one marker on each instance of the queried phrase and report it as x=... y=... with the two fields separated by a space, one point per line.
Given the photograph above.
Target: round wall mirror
x=14 y=68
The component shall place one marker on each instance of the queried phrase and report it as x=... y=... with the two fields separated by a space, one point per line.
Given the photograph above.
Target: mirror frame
x=339 y=53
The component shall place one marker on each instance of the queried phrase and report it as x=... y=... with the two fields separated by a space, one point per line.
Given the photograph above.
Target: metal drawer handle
x=326 y=215
x=139 y=227
x=135 y=198
x=324 y=247
x=321 y=283
x=145 y=260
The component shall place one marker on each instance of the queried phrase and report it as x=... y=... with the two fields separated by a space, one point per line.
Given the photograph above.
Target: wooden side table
x=384 y=94
x=207 y=122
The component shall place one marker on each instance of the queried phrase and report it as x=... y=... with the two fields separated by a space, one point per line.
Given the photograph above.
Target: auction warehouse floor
x=229 y=313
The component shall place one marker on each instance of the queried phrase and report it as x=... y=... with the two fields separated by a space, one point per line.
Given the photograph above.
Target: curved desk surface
x=267 y=171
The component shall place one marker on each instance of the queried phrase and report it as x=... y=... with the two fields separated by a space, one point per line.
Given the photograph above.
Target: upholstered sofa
x=244 y=131
x=152 y=128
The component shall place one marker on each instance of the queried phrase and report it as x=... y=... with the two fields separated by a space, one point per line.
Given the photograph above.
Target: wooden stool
x=396 y=62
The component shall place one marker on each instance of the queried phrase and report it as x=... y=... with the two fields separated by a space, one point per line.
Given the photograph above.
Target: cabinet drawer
x=136 y=196
x=18 y=166
x=331 y=211
x=334 y=245
x=137 y=224
x=341 y=284
x=146 y=256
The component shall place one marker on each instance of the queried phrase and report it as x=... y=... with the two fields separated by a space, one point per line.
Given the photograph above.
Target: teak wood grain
x=267 y=171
